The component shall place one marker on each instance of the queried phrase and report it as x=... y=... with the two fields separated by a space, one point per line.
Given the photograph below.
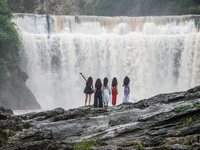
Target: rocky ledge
x=164 y=122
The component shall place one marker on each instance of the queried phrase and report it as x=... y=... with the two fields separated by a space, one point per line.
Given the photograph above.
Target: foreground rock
x=164 y=122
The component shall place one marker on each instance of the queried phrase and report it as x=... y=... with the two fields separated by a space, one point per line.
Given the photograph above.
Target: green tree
x=9 y=41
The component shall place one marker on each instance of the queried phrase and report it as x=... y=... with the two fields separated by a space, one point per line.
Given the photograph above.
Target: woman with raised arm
x=89 y=89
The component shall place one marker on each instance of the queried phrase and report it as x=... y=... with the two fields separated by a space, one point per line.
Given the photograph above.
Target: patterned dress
x=126 y=94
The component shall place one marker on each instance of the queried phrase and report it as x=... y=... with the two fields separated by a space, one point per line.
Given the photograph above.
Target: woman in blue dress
x=106 y=92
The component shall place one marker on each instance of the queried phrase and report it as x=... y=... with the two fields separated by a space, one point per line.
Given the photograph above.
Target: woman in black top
x=98 y=94
x=89 y=89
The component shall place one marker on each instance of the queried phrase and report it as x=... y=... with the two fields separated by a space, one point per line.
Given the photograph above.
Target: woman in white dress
x=106 y=92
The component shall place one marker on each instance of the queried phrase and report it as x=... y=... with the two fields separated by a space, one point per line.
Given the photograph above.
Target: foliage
x=140 y=147
x=21 y=6
x=84 y=144
x=8 y=133
x=3 y=70
x=182 y=108
x=4 y=11
x=189 y=120
x=62 y=117
x=9 y=41
x=41 y=11
x=186 y=121
x=192 y=95
x=185 y=143
x=28 y=3
x=142 y=7
x=109 y=8
x=9 y=38
x=27 y=124
x=123 y=7
x=197 y=104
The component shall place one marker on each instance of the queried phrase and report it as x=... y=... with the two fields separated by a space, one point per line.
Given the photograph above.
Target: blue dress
x=106 y=94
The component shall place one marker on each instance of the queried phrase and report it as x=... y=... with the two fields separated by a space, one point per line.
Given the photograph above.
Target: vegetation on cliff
x=9 y=43
x=107 y=7
x=143 y=7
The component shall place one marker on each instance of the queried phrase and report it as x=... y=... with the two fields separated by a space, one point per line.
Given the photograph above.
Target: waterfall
x=159 y=54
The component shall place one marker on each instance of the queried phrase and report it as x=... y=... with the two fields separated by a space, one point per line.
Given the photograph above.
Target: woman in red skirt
x=114 y=91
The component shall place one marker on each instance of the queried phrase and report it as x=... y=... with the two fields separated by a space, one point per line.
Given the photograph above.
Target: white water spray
x=159 y=54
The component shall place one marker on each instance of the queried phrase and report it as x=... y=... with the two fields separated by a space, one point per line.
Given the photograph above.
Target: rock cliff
x=166 y=121
x=54 y=7
x=14 y=94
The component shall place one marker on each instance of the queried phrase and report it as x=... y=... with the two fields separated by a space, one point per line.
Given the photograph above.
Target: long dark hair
x=105 y=82
x=89 y=81
x=114 y=81
x=98 y=84
x=126 y=80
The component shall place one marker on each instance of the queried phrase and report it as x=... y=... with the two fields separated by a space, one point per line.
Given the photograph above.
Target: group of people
x=102 y=92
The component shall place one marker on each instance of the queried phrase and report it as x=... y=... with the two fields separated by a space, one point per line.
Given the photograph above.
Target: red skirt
x=114 y=96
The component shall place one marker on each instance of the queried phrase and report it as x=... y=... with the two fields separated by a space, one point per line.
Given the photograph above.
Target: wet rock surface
x=163 y=122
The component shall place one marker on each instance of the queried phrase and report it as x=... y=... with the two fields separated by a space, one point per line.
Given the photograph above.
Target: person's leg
x=95 y=100
x=100 y=100
x=103 y=100
x=89 y=98
x=86 y=95
x=114 y=99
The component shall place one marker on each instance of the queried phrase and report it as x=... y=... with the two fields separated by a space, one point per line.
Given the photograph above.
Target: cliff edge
x=163 y=122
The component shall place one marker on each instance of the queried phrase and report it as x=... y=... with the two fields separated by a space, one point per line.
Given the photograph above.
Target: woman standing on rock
x=114 y=87
x=106 y=92
x=88 y=89
x=98 y=94
x=126 y=89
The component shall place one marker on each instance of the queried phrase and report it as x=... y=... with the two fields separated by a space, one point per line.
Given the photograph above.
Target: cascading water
x=159 y=54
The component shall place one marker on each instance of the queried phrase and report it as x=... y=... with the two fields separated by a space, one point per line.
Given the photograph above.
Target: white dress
x=106 y=94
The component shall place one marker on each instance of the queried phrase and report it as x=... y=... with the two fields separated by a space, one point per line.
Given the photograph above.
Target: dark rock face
x=164 y=122
x=16 y=96
x=3 y=110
